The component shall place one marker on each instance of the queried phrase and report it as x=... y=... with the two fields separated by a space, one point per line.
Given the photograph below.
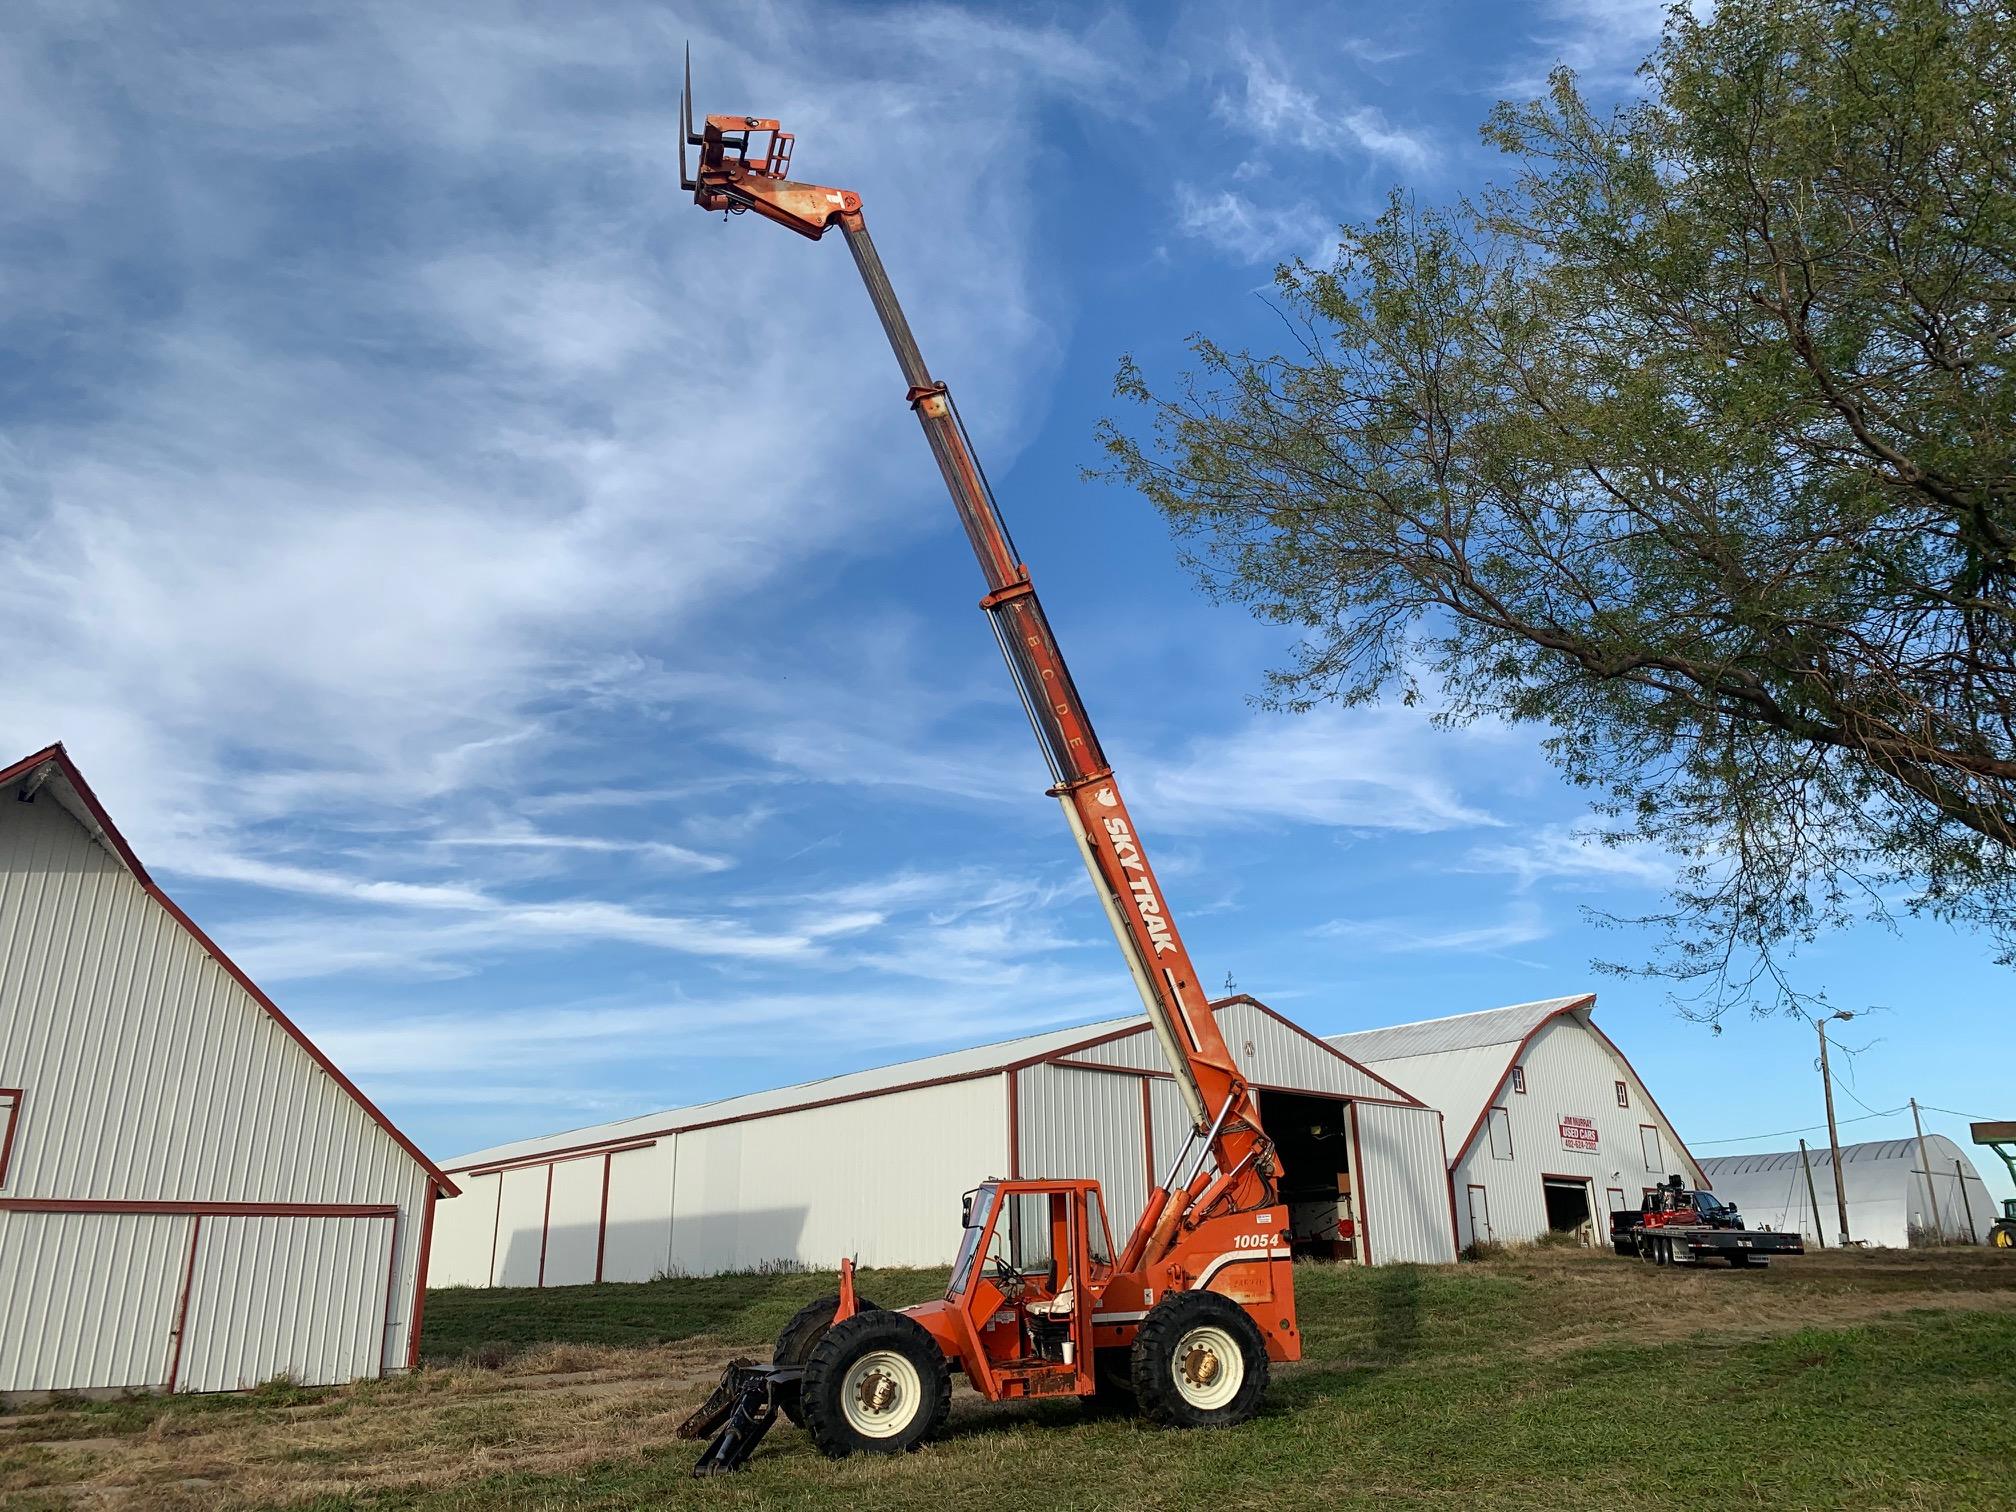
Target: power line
x=1809 y=1128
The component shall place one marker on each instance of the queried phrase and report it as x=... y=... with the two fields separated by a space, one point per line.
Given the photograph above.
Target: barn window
x=1648 y=1136
x=1519 y=1079
x=1623 y=1095
x=10 y=1114
x=1501 y=1134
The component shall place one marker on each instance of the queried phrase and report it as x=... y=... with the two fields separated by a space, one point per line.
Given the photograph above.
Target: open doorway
x=1312 y=1135
x=1570 y=1209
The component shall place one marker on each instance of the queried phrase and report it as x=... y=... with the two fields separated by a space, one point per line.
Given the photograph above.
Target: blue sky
x=516 y=614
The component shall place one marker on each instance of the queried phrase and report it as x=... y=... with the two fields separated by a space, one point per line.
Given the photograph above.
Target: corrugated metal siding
x=1086 y=1124
x=1403 y=1184
x=521 y=1223
x=1887 y=1190
x=301 y=1297
x=1461 y=1031
x=574 y=1224
x=639 y=1244
x=1270 y=1052
x=149 y=1073
x=88 y=1300
x=878 y=1178
x=463 y=1229
x=1569 y=1072
x=1136 y=1050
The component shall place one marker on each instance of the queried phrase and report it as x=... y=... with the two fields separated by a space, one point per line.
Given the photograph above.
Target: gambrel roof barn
x=192 y=1196
x=1549 y=1126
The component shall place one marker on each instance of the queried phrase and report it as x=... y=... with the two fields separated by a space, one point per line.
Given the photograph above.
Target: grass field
x=1553 y=1379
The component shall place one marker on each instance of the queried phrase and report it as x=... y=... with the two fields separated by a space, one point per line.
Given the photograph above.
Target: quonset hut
x=1892 y=1192
x=192 y=1196
x=803 y=1175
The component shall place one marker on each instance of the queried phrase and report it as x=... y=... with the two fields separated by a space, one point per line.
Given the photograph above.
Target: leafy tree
x=1693 y=444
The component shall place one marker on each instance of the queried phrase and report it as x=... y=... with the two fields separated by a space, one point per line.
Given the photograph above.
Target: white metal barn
x=872 y=1164
x=1550 y=1128
x=192 y=1198
x=1891 y=1191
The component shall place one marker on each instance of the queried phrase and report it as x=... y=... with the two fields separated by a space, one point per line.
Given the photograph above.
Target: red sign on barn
x=1579 y=1134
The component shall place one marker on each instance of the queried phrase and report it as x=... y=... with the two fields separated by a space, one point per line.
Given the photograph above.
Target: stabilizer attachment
x=737 y=1414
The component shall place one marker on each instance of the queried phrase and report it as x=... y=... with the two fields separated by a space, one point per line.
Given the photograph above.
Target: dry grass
x=561 y=1414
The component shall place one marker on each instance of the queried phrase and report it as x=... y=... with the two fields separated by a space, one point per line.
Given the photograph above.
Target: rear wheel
x=1199 y=1362
x=1739 y=1259
x=1662 y=1250
x=2003 y=1236
x=801 y=1336
x=875 y=1384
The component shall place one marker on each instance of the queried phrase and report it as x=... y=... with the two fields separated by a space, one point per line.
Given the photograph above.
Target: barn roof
x=953 y=1065
x=1456 y=1064
x=51 y=772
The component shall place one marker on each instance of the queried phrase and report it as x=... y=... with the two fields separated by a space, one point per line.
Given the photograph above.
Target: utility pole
x=1966 y=1202
x=1925 y=1163
x=1833 y=1133
x=1812 y=1196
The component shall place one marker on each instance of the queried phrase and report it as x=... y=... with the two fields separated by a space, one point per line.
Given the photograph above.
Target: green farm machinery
x=2001 y=1138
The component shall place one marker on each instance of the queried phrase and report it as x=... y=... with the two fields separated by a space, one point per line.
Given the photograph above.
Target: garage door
x=300 y=1297
x=88 y=1299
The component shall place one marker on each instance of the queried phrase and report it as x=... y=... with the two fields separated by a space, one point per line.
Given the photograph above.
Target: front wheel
x=1199 y=1362
x=801 y=1336
x=2003 y=1236
x=875 y=1384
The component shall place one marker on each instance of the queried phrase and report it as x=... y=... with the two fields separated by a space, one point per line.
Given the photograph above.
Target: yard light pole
x=1833 y=1133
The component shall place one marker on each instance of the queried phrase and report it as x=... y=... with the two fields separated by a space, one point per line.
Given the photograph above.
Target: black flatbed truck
x=1674 y=1226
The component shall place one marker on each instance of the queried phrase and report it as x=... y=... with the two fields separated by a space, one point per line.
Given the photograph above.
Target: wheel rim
x=1210 y=1368
x=2005 y=1239
x=881 y=1394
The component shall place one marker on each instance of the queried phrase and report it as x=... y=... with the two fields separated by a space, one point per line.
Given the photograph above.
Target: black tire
x=801 y=1335
x=2003 y=1236
x=1662 y=1250
x=870 y=1348
x=1739 y=1259
x=1624 y=1247
x=1166 y=1377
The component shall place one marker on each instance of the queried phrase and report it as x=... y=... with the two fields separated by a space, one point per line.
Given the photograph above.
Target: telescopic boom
x=1222 y=1107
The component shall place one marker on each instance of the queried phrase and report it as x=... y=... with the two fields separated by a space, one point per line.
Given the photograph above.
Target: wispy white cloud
x=1572 y=853
x=1277 y=110
x=654 y=850
x=1381 y=768
x=1604 y=41
x=1230 y=223
x=1522 y=924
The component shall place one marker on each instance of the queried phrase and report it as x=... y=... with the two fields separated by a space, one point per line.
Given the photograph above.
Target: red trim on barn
x=582 y=1153
x=12 y=1097
x=391 y=1287
x=1587 y=1000
x=1449 y=1170
x=545 y=1223
x=1014 y=1128
x=1700 y=1176
x=602 y=1218
x=1148 y=1133
x=1361 y=1207
x=182 y=1304
x=1252 y=1002
x=496 y=1223
x=420 y=1275
x=58 y=755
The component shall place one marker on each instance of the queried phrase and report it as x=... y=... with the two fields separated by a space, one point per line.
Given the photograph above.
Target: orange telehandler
x=1186 y=1315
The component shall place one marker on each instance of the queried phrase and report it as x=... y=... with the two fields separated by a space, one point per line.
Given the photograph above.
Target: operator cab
x=1035 y=1258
